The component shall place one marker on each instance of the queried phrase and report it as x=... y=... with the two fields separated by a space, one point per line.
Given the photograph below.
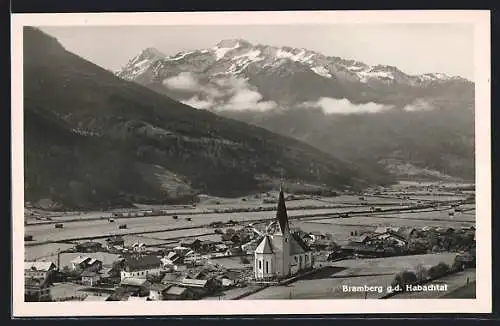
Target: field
x=436 y=197
x=95 y=228
x=418 y=219
x=162 y=230
x=44 y=251
x=170 y=236
x=210 y=205
x=328 y=283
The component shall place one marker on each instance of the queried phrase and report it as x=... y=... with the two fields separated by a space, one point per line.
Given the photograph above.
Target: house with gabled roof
x=141 y=267
x=179 y=293
x=38 y=269
x=171 y=278
x=85 y=263
x=136 y=286
x=157 y=291
x=201 y=287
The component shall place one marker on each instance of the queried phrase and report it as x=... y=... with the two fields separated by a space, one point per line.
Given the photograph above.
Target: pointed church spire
x=281 y=214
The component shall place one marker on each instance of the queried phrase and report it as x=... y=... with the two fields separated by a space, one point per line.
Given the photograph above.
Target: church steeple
x=281 y=214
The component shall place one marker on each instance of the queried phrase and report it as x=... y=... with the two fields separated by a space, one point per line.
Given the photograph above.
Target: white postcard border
x=483 y=301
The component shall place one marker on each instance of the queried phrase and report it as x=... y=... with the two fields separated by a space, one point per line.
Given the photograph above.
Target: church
x=281 y=253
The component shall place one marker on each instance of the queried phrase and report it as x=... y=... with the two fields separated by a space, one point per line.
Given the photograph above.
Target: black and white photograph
x=251 y=161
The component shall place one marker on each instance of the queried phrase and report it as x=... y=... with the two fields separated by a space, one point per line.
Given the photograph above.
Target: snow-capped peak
x=322 y=71
x=375 y=72
x=435 y=76
x=179 y=56
x=301 y=55
x=233 y=43
x=223 y=47
x=233 y=56
x=152 y=53
x=148 y=54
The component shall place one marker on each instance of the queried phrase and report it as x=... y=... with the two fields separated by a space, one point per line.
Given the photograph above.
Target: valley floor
x=350 y=214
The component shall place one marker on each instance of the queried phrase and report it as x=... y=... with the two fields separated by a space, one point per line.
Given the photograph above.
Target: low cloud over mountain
x=220 y=93
x=344 y=106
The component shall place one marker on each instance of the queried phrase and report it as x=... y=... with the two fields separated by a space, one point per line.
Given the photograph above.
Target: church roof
x=297 y=246
x=281 y=214
x=265 y=246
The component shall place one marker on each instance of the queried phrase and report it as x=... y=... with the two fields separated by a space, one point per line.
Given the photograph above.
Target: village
x=239 y=258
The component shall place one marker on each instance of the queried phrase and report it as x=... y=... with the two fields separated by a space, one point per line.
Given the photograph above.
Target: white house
x=38 y=269
x=139 y=247
x=281 y=253
x=399 y=240
x=85 y=263
x=140 y=267
x=170 y=262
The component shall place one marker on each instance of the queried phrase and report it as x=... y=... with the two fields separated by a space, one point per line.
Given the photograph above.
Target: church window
x=267 y=267
x=295 y=258
x=260 y=264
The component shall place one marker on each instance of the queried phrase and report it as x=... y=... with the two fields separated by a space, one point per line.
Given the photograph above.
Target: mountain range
x=376 y=116
x=95 y=140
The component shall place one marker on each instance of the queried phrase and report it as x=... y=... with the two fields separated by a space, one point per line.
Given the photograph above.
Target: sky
x=413 y=48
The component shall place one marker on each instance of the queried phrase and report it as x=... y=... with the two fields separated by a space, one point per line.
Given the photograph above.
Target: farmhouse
x=85 y=263
x=178 y=293
x=141 y=267
x=139 y=247
x=280 y=253
x=393 y=238
x=135 y=286
x=38 y=269
x=201 y=286
x=170 y=261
